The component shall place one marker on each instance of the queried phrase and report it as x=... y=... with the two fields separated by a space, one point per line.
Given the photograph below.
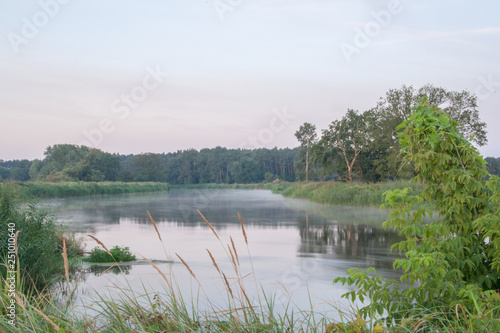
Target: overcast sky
x=130 y=76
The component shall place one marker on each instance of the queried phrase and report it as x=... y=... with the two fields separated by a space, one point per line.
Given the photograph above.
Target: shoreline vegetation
x=323 y=192
x=47 y=190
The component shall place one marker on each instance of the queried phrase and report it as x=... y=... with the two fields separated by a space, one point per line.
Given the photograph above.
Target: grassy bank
x=355 y=194
x=332 y=193
x=31 y=190
x=214 y=186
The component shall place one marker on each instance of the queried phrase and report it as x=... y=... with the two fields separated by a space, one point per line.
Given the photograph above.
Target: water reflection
x=99 y=270
x=301 y=244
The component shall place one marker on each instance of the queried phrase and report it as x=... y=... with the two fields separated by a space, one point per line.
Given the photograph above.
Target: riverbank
x=43 y=190
x=336 y=193
x=331 y=193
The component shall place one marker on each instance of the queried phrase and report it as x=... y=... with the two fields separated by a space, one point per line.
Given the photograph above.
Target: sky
x=135 y=76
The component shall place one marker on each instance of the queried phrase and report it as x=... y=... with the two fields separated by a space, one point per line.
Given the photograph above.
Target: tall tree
x=397 y=106
x=307 y=137
x=346 y=138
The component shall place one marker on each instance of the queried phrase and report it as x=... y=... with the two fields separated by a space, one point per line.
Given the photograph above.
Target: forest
x=360 y=146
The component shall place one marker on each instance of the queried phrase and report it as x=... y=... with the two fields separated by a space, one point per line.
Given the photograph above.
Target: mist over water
x=297 y=247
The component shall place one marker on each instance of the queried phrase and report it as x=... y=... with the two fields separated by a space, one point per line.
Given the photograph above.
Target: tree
x=307 y=136
x=453 y=261
x=397 y=106
x=20 y=171
x=148 y=167
x=345 y=139
x=493 y=165
x=246 y=170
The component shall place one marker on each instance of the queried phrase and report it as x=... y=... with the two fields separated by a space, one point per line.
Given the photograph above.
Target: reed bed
x=42 y=190
x=340 y=193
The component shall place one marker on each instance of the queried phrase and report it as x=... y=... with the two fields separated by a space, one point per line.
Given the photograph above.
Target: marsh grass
x=40 y=190
x=340 y=193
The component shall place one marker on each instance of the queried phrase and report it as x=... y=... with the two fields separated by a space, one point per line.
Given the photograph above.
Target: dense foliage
x=454 y=261
x=39 y=241
x=116 y=254
x=72 y=163
x=364 y=146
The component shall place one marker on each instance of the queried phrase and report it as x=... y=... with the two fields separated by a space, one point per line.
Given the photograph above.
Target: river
x=295 y=247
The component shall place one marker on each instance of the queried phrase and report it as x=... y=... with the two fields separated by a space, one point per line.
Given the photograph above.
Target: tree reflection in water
x=352 y=242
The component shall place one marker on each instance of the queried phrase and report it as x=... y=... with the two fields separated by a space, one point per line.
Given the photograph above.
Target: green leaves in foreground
x=453 y=262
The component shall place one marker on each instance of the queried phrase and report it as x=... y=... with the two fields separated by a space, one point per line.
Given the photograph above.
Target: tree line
x=359 y=146
x=364 y=146
x=67 y=162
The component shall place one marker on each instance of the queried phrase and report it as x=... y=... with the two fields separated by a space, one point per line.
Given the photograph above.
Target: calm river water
x=293 y=244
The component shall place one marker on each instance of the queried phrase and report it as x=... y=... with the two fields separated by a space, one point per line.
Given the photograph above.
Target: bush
x=117 y=254
x=452 y=263
x=38 y=242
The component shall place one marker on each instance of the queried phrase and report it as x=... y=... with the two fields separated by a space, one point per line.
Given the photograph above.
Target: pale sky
x=131 y=76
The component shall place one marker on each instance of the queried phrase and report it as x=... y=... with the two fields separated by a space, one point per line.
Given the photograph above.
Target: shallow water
x=296 y=247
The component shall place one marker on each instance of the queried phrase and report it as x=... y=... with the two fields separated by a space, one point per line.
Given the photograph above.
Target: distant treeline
x=360 y=146
x=69 y=163
x=66 y=163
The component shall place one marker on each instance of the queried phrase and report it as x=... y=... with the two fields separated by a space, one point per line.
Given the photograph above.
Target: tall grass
x=332 y=193
x=31 y=190
x=336 y=193
x=39 y=240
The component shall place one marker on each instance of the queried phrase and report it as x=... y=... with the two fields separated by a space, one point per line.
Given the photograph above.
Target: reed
x=101 y=244
x=33 y=190
x=337 y=193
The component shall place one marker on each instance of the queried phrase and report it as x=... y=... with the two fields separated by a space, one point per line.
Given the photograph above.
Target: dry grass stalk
x=213 y=261
x=154 y=225
x=208 y=223
x=47 y=319
x=18 y=300
x=158 y=270
x=243 y=229
x=235 y=252
x=463 y=311
x=232 y=256
x=65 y=258
x=227 y=284
x=185 y=264
x=242 y=288
x=100 y=243
x=92 y=327
x=107 y=269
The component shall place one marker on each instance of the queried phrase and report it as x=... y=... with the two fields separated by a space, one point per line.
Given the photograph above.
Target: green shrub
x=452 y=265
x=118 y=254
x=39 y=238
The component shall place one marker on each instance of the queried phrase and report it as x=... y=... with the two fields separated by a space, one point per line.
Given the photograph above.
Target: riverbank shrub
x=452 y=265
x=116 y=254
x=37 y=239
